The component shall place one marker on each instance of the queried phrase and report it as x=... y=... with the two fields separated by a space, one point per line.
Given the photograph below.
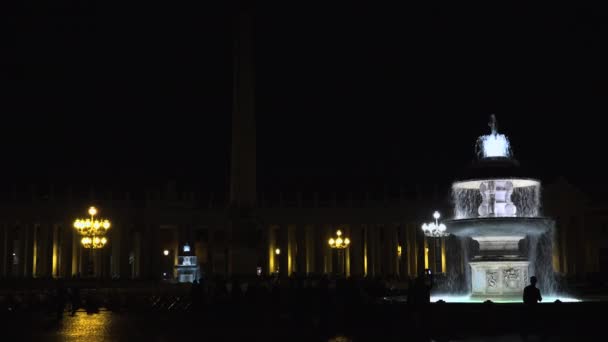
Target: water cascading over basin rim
x=499 y=226
x=493 y=168
x=474 y=184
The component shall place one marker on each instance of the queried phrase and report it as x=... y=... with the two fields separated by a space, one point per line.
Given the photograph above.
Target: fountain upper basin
x=474 y=184
x=499 y=226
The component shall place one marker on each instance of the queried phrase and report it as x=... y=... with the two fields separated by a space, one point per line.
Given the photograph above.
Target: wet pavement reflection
x=108 y=326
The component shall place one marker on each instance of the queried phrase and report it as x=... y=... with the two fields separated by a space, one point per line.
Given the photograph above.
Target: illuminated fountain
x=499 y=208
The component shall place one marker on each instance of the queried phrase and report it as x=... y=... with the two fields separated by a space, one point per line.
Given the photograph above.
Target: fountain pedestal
x=499 y=270
x=498 y=278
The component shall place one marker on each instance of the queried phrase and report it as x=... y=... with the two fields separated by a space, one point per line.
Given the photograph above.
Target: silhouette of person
x=531 y=298
x=75 y=299
x=532 y=293
x=420 y=299
x=60 y=300
x=422 y=289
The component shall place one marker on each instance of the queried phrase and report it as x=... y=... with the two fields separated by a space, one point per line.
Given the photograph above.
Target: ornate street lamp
x=93 y=232
x=435 y=230
x=93 y=242
x=339 y=244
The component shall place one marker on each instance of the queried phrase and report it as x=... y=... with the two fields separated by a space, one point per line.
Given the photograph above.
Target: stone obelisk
x=243 y=252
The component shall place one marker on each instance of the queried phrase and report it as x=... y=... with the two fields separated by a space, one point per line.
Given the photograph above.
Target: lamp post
x=93 y=232
x=339 y=244
x=435 y=230
x=166 y=265
x=277 y=252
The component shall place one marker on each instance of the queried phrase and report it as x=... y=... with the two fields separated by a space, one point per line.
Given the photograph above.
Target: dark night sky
x=345 y=94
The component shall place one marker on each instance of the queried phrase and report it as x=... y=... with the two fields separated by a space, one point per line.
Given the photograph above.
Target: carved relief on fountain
x=491 y=279
x=512 y=278
x=498 y=278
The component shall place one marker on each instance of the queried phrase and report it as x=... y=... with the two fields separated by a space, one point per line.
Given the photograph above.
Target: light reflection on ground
x=469 y=299
x=104 y=326
x=86 y=327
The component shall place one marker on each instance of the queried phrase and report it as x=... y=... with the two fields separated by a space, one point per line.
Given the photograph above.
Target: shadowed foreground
x=375 y=322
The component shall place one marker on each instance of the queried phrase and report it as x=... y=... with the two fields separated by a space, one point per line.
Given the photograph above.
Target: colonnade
x=135 y=251
x=375 y=250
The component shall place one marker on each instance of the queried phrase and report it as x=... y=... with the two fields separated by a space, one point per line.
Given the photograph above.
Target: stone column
x=431 y=244
x=75 y=253
x=115 y=238
x=42 y=247
x=66 y=250
x=427 y=254
x=99 y=261
x=49 y=241
x=412 y=250
x=329 y=253
x=4 y=251
x=11 y=236
x=565 y=248
x=271 y=242
x=28 y=250
x=377 y=249
x=137 y=262
x=367 y=257
x=347 y=252
x=212 y=250
x=125 y=245
x=19 y=253
x=37 y=242
x=155 y=252
x=391 y=235
x=291 y=248
x=176 y=249
x=401 y=241
x=310 y=249
x=56 y=252
x=370 y=250
x=382 y=242
x=282 y=243
x=443 y=256
x=144 y=249
x=356 y=250
x=319 y=243
x=149 y=247
x=556 y=247
x=420 y=251
x=301 y=250
x=588 y=261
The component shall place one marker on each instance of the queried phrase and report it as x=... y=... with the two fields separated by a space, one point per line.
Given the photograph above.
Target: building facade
x=251 y=232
